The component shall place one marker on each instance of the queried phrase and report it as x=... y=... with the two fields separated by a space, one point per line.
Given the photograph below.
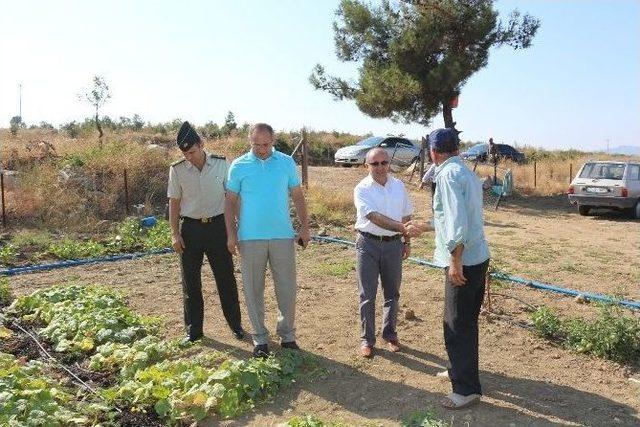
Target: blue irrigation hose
x=76 y=262
x=497 y=275
x=514 y=279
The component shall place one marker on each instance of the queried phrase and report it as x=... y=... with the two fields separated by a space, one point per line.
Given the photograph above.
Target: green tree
x=229 y=124
x=97 y=96
x=16 y=123
x=416 y=55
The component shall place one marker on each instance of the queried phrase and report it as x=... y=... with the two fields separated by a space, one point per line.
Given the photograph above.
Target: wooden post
x=570 y=172
x=126 y=193
x=4 y=216
x=305 y=159
x=535 y=174
x=423 y=151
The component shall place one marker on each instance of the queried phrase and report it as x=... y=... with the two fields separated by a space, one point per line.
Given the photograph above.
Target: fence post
x=4 y=216
x=535 y=174
x=126 y=193
x=305 y=159
x=570 y=172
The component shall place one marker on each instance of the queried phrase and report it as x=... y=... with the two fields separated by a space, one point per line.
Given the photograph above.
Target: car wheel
x=634 y=212
x=584 y=210
x=346 y=165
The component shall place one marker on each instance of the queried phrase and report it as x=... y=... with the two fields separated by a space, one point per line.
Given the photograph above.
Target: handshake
x=415 y=227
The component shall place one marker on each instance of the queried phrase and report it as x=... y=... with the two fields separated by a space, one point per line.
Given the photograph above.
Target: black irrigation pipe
x=59 y=363
x=496 y=275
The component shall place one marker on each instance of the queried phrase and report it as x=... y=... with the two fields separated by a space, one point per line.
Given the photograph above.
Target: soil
x=527 y=380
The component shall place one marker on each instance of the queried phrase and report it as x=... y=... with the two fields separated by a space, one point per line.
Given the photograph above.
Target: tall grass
x=548 y=175
x=331 y=206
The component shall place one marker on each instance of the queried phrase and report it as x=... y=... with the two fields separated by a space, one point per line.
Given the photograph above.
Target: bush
x=547 y=323
x=70 y=249
x=5 y=292
x=611 y=335
x=8 y=254
x=16 y=123
x=72 y=129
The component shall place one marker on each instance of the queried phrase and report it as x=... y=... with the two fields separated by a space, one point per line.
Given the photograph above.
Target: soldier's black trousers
x=210 y=239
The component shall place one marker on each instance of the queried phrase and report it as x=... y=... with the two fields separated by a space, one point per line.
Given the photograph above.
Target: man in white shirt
x=382 y=206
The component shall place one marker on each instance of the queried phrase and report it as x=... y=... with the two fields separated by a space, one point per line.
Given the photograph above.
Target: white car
x=402 y=152
x=607 y=184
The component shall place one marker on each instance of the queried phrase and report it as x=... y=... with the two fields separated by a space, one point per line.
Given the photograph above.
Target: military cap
x=187 y=136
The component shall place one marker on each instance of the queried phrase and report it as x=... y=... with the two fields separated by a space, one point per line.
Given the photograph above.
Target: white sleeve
x=174 y=191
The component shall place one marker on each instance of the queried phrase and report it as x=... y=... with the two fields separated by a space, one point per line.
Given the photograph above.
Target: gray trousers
x=383 y=260
x=281 y=255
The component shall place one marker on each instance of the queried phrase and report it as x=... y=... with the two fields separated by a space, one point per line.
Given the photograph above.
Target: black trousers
x=461 y=311
x=210 y=239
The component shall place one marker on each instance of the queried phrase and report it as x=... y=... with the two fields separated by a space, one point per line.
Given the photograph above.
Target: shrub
x=5 y=292
x=8 y=254
x=70 y=249
x=611 y=335
x=158 y=236
x=547 y=323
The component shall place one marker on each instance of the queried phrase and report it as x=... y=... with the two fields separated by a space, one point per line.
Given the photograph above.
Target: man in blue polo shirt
x=258 y=187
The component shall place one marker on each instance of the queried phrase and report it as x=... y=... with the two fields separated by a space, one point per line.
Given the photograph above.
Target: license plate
x=597 y=190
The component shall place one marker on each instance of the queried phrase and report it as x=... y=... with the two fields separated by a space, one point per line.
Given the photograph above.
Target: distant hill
x=625 y=149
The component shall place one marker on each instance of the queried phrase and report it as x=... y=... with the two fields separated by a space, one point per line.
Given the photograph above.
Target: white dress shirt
x=390 y=200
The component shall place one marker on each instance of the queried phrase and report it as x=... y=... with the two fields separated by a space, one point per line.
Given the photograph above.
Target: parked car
x=402 y=151
x=479 y=152
x=607 y=184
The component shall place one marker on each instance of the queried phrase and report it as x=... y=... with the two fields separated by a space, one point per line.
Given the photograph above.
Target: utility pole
x=20 y=101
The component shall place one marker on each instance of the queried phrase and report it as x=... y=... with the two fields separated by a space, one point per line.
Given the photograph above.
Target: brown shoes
x=393 y=346
x=366 y=351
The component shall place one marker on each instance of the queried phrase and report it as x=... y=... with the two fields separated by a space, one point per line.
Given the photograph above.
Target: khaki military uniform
x=201 y=194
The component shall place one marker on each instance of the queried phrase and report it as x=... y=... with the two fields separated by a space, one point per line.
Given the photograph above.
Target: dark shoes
x=261 y=351
x=291 y=345
x=239 y=333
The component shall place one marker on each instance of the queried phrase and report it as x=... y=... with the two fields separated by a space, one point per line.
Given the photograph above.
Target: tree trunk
x=447 y=114
x=98 y=126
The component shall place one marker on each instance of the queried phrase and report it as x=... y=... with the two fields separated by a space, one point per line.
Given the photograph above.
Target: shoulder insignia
x=177 y=162
x=217 y=156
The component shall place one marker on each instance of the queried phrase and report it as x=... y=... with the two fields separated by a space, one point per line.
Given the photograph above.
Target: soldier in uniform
x=196 y=213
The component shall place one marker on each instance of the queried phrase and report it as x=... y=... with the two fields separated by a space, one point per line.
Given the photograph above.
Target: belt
x=380 y=238
x=201 y=220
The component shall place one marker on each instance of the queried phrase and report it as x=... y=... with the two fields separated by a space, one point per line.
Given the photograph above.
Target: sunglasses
x=383 y=163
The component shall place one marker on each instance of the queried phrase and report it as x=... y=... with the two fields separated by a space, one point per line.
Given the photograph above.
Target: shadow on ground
x=508 y=400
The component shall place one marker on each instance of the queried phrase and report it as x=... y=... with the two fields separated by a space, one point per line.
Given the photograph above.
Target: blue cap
x=444 y=140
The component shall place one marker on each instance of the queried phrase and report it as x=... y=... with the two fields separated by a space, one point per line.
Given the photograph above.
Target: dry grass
x=552 y=176
x=331 y=206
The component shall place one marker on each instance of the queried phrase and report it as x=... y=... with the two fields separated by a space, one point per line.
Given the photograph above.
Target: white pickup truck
x=607 y=184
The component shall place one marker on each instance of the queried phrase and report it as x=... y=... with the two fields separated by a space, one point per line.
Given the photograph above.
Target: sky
x=578 y=86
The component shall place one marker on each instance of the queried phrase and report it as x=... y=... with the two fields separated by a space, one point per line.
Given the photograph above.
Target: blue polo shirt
x=263 y=187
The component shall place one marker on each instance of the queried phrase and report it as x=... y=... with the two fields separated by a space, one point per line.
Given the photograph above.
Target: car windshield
x=603 y=171
x=478 y=149
x=372 y=141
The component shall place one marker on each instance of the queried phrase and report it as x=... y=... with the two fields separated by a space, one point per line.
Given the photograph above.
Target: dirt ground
x=526 y=380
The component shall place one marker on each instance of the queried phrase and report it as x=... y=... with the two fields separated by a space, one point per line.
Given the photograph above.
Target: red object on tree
x=454 y=102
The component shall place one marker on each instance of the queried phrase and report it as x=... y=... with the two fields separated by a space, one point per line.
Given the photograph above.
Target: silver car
x=402 y=152
x=607 y=184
